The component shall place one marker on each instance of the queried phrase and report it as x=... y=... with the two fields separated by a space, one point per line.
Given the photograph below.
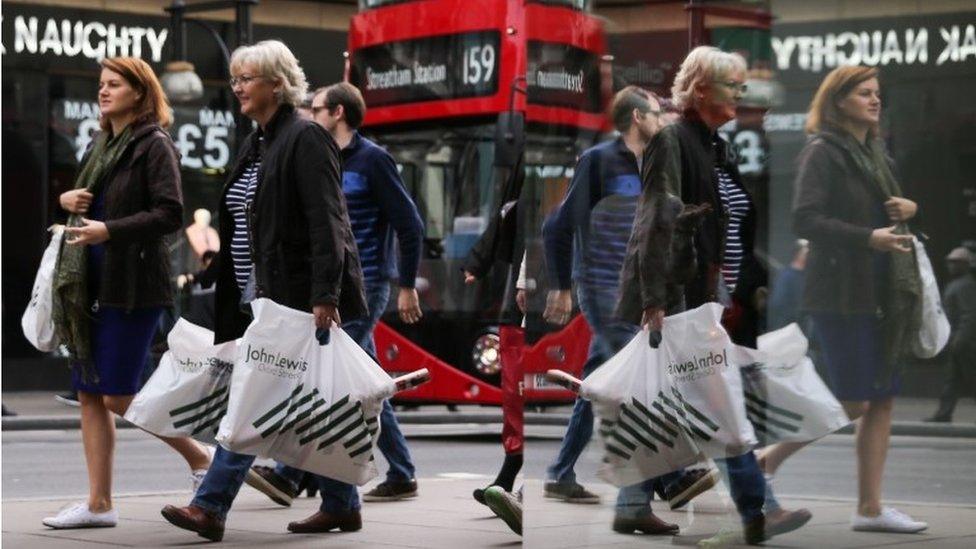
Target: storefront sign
x=66 y=37
x=425 y=69
x=879 y=42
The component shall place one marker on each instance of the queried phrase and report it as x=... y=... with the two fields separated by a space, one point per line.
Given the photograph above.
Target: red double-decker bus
x=437 y=76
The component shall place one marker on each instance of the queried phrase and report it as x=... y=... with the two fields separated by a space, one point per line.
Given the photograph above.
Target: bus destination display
x=432 y=68
x=560 y=75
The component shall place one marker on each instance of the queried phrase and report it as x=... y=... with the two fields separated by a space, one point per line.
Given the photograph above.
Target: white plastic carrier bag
x=662 y=408
x=785 y=399
x=187 y=394
x=642 y=438
x=313 y=407
x=38 y=322
x=934 y=332
x=704 y=367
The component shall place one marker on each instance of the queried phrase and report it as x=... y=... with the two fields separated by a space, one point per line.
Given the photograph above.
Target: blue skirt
x=852 y=352
x=120 y=344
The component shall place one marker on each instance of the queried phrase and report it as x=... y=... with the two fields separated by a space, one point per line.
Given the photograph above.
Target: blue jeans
x=392 y=443
x=609 y=335
x=747 y=486
x=226 y=475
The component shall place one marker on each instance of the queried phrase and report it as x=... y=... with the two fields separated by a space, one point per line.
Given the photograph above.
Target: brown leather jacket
x=143 y=204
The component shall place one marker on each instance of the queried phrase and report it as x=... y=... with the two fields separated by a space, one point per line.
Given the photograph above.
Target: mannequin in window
x=201 y=236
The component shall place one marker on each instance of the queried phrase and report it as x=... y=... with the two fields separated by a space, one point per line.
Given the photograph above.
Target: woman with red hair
x=112 y=279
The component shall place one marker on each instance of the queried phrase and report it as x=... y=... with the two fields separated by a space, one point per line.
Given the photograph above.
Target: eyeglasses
x=316 y=109
x=242 y=80
x=733 y=85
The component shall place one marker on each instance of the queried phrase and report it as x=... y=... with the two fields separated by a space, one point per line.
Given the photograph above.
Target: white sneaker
x=79 y=516
x=196 y=478
x=890 y=520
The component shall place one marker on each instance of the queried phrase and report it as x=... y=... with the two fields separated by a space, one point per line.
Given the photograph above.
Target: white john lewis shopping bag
x=661 y=409
x=704 y=366
x=187 y=394
x=38 y=320
x=313 y=407
x=933 y=334
x=643 y=437
x=786 y=400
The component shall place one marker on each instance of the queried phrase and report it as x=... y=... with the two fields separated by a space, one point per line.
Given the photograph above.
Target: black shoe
x=8 y=413
x=570 y=492
x=68 y=399
x=268 y=482
x=693 y=483
x=938 y=419
x=392 y=491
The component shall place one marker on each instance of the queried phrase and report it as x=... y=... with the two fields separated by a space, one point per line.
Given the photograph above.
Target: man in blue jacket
x=383 y=216
x=586 y=242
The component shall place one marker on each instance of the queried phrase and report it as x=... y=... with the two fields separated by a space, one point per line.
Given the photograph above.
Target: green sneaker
x=506 y=505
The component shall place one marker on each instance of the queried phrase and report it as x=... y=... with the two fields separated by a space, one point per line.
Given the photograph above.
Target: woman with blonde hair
x=112 y=279
x=689 y=160
x=285 y=217
x=862 y=286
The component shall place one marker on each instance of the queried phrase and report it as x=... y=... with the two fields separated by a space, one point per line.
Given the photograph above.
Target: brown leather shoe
x=775 y=524
x=647 y=523
x=195 y=519
x=324 y=522
x=782 y=521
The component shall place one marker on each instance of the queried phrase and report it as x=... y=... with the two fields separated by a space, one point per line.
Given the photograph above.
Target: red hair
x=153 y=105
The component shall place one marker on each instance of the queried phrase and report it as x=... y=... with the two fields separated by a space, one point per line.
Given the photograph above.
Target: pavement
x=552 y=524
x=37 y=410
x=445 y=516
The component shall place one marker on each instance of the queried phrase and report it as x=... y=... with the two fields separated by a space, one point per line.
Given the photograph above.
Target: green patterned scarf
x=71 y=300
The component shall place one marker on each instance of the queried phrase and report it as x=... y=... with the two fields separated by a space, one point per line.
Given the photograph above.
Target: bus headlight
x=486 y=354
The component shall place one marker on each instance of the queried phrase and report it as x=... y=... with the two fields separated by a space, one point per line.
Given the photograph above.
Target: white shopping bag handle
x=411 y=380
x=563 y=379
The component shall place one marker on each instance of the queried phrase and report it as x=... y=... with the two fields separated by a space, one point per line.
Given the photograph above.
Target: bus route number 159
x=479 y=65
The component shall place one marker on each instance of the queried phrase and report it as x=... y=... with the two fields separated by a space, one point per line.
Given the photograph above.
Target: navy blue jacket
x=379 y=206
x=607 y=169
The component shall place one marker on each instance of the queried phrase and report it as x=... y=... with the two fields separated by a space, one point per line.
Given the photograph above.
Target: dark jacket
x=680 y=161
x=143 y=204
x=835 y=207
x=503 y=242
x=302 y=245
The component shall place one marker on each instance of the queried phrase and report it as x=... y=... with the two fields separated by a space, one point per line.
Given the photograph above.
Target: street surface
x=931 y=478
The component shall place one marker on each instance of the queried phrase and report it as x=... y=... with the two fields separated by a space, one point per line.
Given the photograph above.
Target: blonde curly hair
x=272 y=59
x=703 y=64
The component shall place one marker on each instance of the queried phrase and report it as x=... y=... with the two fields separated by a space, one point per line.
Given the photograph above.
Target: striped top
x=239 y=197
x=611 y=222
x=382 y=214
x=586 y=237
x=735 y=202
